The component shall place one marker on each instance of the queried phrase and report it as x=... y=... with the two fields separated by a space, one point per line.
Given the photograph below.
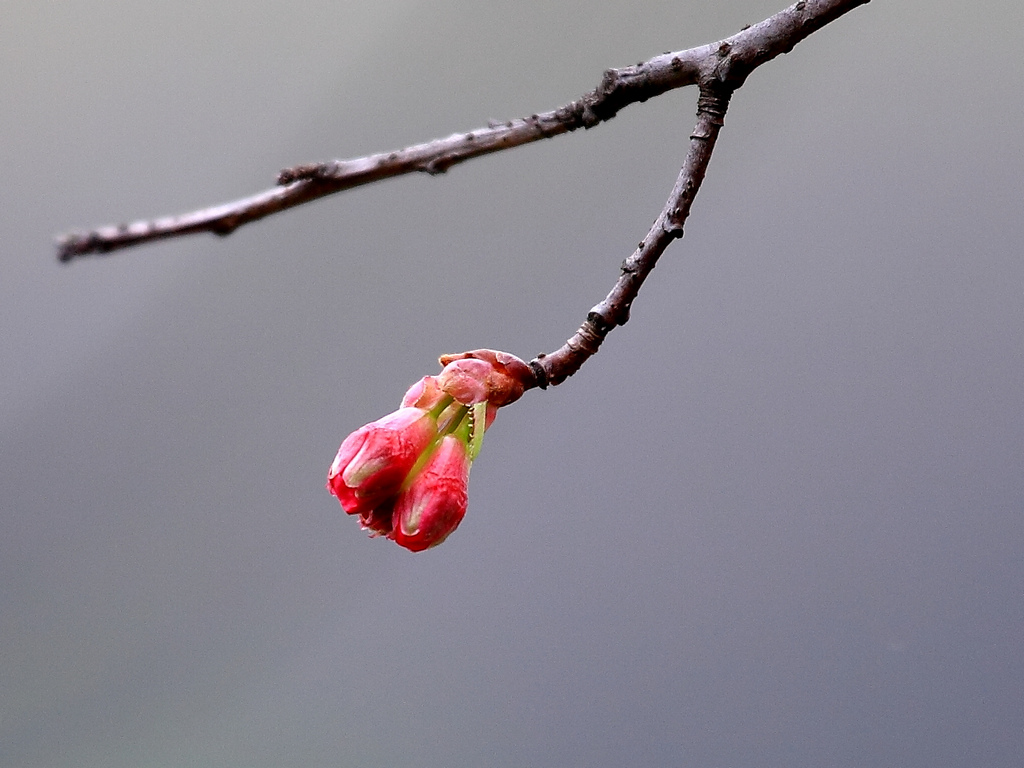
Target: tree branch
x=556 y=367
x=723 y=65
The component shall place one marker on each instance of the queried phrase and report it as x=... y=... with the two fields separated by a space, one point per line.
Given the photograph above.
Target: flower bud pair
x=406 y=475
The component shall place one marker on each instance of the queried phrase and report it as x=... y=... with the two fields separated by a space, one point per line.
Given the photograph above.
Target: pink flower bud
x=435 y=503
x=375 y=460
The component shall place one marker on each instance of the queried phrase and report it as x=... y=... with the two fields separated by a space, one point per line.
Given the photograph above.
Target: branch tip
x=75 y=244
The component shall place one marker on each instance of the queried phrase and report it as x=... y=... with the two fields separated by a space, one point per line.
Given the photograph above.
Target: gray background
x=777 y=521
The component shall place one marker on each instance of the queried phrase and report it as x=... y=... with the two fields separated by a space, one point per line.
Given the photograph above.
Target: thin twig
x=726 y=63
x=556 y=367
x=715 y=92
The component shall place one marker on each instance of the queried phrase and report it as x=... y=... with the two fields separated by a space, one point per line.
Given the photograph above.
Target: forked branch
x=725 y=64
x=718 y=69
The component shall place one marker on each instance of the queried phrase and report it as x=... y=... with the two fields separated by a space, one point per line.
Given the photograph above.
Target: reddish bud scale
x=501 y=379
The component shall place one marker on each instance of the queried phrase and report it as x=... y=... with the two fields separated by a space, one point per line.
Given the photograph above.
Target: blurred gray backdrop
x=777 y=521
